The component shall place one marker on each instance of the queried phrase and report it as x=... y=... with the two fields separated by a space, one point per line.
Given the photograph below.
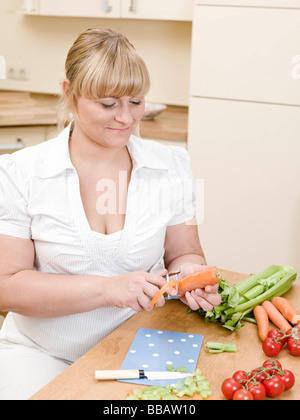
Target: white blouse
x=40 y=200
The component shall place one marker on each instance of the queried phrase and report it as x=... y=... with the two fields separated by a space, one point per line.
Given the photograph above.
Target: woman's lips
x=118 y=129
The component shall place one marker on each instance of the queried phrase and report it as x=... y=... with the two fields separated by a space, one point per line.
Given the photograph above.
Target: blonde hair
x=103 y=63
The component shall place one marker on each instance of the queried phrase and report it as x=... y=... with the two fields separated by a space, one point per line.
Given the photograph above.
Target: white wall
x=41 y=43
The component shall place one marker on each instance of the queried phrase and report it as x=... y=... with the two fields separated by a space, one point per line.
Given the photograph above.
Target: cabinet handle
x=132 y=7
x=106 y=7
x=13 y=147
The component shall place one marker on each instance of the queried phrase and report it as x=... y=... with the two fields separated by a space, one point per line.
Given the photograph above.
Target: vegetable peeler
x=167 y=277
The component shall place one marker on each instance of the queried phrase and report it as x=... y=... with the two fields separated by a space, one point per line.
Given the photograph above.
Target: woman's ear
x=66 y=86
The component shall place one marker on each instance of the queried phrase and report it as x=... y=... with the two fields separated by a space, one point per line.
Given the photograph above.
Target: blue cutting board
x=154 y=350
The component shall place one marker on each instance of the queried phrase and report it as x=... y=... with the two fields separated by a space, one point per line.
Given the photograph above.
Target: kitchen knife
x=139 y=374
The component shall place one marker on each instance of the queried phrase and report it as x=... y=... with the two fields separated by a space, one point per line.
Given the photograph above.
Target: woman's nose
x=124 y=115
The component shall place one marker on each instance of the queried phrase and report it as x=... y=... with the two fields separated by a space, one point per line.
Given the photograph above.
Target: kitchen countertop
x=29 y=109
x=77 y=382
x=25 y=108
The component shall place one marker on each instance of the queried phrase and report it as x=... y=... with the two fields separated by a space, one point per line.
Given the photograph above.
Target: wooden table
x=78 y=383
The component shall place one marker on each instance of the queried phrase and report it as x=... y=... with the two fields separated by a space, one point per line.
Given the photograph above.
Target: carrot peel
x=161 y=291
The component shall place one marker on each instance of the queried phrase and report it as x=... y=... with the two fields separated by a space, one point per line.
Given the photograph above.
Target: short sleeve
x=14 y=217
x=184 y=187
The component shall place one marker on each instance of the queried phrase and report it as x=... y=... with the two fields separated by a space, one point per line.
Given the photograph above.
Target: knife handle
x=118 y=374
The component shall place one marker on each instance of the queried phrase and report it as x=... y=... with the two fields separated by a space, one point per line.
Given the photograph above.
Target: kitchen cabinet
x=293 y=4
x=244 y=125
x=181 y=10
x=157 y=9
x=246 y=53
x=15 y=138
x=87 y=8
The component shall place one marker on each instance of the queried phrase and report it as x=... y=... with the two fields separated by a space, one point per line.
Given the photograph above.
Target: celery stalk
x=239 y=300
x=220 y=347
x=283 y=284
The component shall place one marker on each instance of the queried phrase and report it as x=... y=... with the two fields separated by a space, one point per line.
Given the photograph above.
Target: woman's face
x=109 y=121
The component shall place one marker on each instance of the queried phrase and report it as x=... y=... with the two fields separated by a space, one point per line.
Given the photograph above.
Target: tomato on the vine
x=242 y=395
x=277 y=334
x=293 y=346
x=271 y=348
x=259 y=374
x=288 y=379
x=240 y=376
x=274 y=386
x=294 y=333
x=275 y=364
x=229 y=386
x=258 y=391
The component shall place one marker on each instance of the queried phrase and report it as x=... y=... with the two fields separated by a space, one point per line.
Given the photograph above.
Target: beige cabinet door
x=86 y=8
x=246 y=53
x=248 y=156
x=13 y=139
x=253 y=3
x=158 y=9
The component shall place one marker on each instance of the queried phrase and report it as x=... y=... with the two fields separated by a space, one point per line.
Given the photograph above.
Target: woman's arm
x=28 y=292
x=182 y=245
x=183 y=252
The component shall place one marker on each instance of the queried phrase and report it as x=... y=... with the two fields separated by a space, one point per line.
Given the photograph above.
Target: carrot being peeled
x=287 y=310
x=207 y=277
x=275 y=316
x=262 y=320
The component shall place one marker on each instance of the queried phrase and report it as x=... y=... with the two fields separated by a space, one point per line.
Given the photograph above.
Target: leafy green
x=238 y=301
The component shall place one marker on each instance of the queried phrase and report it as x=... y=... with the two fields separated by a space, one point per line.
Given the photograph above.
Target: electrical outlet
x=17 y=73
x=11 y=72
x=22 y=73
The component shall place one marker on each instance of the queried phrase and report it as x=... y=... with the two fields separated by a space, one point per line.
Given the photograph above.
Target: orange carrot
x=275 y=316
x=207 y=277
x=287 y=310
x=166 y=287
x=262 y=320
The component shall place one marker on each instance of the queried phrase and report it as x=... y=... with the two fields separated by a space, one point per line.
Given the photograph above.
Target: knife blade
x=138 y=374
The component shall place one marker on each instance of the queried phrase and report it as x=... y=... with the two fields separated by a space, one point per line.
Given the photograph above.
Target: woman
x=87 y=218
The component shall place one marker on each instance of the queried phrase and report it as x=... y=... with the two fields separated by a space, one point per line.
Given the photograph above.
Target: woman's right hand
x=135 y=290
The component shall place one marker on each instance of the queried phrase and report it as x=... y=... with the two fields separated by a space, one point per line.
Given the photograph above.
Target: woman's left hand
x=199 y=298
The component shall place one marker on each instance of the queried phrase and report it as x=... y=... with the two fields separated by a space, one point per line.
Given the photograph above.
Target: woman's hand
x=135 y=290
x=200 y=298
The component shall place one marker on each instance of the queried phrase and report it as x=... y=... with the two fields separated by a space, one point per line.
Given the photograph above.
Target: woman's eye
x=107 y=106
x=136 y=102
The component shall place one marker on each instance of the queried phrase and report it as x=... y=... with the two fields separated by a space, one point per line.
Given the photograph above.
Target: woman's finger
x=212 y=298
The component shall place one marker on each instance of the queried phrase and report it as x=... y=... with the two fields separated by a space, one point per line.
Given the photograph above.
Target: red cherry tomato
x=274 y=333
x=242 y=395
x=258 y=374
x=293 y=346
x=258 y=391
x=272 y=363
x=229 y=386
x=294 y=332
x=288 y=379
x=271 y=348
x=240 y=376
x=274 y=386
